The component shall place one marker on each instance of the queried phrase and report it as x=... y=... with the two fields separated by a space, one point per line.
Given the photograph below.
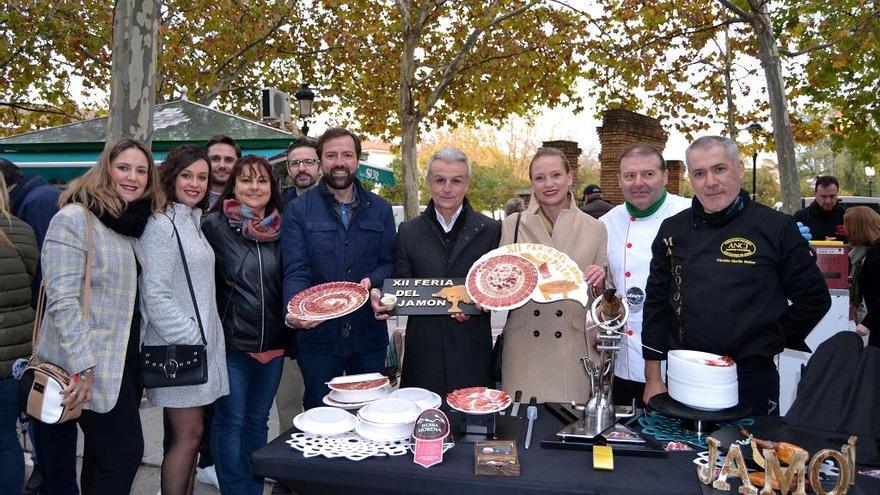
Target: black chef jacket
x=721 y=283
x=824 y=225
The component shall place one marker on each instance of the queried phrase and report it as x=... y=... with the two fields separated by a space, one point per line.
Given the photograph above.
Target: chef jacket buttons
x=537 y=313
x=558 y=334
x=629 y=244
x=632 y=219
x=558 y=312
x=628 y=274
x=536 y=333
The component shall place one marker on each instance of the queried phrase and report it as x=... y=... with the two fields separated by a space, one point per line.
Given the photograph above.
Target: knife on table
x=514 y=411
x=532 y=415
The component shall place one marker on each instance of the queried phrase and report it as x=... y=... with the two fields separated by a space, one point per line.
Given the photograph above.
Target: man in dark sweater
x=722 y=275
x=824 y=216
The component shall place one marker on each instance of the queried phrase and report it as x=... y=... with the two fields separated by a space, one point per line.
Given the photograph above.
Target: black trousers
x=627 y=390
x=759 y=387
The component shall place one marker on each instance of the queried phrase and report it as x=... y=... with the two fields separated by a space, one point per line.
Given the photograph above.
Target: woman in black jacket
x=243 y=230
x=862 y=226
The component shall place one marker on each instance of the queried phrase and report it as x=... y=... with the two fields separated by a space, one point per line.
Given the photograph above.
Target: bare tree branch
x=745 y=16
x=39 y=108
x=813 y=48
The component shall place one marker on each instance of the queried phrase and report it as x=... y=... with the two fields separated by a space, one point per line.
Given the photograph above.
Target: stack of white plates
x=386 y=420
x=694 y=382
x=354 y=391
x=325 y=421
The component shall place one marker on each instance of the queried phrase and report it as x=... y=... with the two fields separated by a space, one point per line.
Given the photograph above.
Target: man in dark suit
x=444 y=353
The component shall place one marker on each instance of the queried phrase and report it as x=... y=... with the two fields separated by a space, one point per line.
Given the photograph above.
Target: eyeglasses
x=308 y=162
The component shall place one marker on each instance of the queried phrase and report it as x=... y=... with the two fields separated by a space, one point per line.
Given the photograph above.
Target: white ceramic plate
x=324 y=421
x=358 y=383
x=360 y=396
x=390 y=411
x=423 y=398
x=383 y=434
x=350 y=406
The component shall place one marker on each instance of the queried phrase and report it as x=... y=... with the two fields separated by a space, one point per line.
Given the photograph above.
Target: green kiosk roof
x=65 y=152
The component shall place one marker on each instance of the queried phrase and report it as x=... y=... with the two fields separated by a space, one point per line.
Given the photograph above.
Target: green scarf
x=649 y=210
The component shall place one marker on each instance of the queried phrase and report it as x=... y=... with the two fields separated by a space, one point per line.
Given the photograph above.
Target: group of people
x=206 y=248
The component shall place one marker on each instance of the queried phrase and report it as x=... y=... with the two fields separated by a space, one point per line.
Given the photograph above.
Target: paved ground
x=147 y=480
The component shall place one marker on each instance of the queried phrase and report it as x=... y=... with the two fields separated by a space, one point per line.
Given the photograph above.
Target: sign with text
x=427 y=296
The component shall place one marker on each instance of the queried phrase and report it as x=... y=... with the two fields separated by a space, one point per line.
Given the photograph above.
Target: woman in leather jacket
x=243 y=229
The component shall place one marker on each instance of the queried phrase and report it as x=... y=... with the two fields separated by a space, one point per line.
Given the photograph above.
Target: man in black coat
x=824 y=216
x=445 y=353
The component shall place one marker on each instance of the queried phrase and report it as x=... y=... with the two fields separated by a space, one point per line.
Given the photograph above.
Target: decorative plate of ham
x=327 y=301
x=501 y=281
x=478 y=400
x=358 y=383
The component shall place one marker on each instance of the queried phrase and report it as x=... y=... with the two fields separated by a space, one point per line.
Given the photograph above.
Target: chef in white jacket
x=632 y=227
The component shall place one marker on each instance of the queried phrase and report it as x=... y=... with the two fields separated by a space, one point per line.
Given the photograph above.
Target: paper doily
x=348 y=445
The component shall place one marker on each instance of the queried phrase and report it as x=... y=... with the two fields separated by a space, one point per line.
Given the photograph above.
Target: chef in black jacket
x=722 y=275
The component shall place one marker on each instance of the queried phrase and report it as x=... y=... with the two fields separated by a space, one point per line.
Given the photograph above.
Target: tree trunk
x=728 y=88
x=133 y=80
x=782 y=135
x=409 y=116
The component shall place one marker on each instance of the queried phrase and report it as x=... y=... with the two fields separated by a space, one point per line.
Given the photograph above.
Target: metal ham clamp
x=609 y=313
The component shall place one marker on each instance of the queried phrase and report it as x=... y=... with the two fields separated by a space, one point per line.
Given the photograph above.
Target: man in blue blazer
x=337 y=231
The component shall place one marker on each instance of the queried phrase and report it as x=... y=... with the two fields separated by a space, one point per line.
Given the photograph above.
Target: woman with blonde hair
x=543 y=343
x=862 y=225
x=110 y=205
x=18 y=264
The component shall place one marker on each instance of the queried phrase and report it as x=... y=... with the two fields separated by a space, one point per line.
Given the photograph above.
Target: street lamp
x=754 y=128
x=305 y=98
x=869 y=173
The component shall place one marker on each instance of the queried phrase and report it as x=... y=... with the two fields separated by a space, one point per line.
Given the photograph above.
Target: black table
x=543 y=471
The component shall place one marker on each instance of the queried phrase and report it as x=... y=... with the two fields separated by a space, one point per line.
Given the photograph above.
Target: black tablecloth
x=542 y=471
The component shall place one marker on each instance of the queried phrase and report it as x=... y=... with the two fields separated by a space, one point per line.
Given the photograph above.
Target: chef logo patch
x=737 y=248
x=635 y=297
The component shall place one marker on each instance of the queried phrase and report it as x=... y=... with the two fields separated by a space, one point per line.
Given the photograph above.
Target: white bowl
x=359 y=396
x=383 y=434
x=324 y=421
x=390 y=411
x=425 y=399
x=702 y=396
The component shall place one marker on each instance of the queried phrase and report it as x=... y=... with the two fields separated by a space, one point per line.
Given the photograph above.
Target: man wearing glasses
x=303 y=167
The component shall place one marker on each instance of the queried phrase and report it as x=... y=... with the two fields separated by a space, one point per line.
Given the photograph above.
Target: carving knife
x=514 y=411
x=532 y=415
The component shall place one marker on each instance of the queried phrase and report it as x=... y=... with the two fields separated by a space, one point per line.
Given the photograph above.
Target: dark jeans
x=241 y=421
x=57 y=447
x=318 y=369
x=11 y=457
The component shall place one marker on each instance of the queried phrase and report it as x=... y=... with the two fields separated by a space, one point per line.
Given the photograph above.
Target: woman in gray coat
x=169 y=312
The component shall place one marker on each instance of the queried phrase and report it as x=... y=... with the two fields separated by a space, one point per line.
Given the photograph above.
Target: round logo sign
x=432 y=424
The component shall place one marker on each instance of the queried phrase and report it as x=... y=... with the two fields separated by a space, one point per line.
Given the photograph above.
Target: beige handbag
x=39 y=391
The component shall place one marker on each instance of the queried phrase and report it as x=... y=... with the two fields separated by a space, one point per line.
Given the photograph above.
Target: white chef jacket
x=629 y=259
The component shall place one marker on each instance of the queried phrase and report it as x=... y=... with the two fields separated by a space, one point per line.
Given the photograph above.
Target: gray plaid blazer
x=99 y=339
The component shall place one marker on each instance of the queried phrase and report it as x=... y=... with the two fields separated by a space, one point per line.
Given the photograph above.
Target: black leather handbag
x=176 y=365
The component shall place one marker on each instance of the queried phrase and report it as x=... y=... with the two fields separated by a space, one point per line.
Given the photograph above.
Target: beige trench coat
x=543 y=343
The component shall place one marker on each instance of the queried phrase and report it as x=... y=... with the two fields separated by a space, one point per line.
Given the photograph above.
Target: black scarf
x=724 y=216
x=132 y=221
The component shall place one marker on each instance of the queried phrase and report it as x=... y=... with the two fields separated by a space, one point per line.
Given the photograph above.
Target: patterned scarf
x=252 y=227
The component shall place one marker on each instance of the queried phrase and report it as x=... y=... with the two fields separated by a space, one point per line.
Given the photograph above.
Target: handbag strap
x=87 y=287
x=516 y=230
x=189 y=284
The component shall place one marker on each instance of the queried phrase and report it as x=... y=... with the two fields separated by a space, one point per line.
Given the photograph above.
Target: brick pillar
x=676 y=176
x=621 y=128
x=573 y=153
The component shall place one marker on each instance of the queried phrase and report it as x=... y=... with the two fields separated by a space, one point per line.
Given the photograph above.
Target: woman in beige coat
x=543 y=343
